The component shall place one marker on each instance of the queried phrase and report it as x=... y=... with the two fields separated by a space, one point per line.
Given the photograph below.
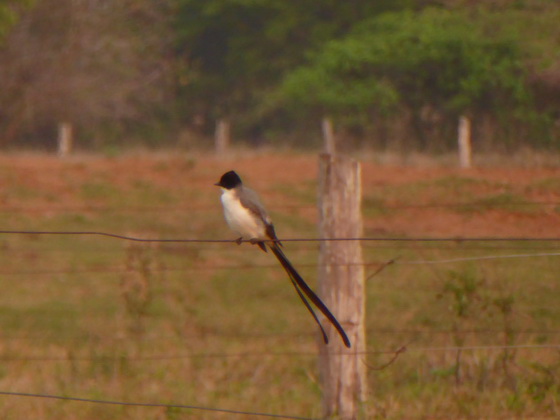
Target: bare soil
x=509 y=202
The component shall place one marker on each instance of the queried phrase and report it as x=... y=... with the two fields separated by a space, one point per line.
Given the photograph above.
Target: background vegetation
x=391 y=74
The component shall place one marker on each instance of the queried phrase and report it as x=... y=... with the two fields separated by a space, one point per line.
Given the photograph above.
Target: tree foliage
x=406 y=67
x=436 y=58
x=9 y=14
x=92 y=64
x=236 y=51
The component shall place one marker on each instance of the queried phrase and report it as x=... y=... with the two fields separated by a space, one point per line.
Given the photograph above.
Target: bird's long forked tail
x=301 y=286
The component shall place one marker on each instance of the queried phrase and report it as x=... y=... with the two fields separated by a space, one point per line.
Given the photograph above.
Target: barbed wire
x=224 y=411
x=110 y=235
x=289 y=354
x=481 y=258
x=380 y=264
x=268 y=335
x=218 y=410
x=100 y=246
x=458 y=239
x=202 y=207
x=489 y=347
x=152 y=405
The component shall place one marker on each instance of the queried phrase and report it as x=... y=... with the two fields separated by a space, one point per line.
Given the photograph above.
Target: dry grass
x=218 y=325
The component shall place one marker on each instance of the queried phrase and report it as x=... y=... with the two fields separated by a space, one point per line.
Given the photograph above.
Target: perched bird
x=245 y=214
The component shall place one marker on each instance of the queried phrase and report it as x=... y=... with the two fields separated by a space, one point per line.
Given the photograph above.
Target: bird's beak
x=217 y=184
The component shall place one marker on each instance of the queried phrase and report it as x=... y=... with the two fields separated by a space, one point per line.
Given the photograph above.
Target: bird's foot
x=239 y=240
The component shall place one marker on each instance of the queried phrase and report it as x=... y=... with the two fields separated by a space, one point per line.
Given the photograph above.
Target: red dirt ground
x=416 y=201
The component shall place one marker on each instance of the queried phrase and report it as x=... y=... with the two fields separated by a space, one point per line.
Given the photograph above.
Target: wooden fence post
x=328 y=136
x=65 y=140
x=222 y=136
x=464 y=140
x=341 y=285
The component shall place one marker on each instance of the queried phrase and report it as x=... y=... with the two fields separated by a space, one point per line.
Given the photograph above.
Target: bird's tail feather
x=310 y=309
x=301 y=286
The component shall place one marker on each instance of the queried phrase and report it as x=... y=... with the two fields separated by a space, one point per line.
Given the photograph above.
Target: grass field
x=218 y=325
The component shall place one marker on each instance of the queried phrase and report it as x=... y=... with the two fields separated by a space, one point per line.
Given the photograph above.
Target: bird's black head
x=229 y=180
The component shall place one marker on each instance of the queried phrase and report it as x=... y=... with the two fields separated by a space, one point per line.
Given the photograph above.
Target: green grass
x=444 y=189
x=515 y=203
x=547 y=185
x=463 y=194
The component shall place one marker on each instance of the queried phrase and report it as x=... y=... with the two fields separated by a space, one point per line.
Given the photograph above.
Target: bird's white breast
x=240 y=219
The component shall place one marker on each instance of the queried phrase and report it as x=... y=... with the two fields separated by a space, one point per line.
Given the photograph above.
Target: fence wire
x=152 y=405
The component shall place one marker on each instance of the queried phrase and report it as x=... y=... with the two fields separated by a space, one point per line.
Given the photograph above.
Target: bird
x=246 y=215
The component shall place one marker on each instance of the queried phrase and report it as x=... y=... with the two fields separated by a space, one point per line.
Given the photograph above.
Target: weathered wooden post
x=341 y=285
x=222 y=136
x=464 y=140
x=64 y=139
x=328 y=135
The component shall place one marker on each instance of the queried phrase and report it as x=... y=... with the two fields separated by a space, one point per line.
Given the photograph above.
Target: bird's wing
x=250 y=199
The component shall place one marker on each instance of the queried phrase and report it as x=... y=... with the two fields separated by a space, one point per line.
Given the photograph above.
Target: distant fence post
x=341 y=285
x=64 y=139
x=222 y=136
x=328 y=135
x=464 y=140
